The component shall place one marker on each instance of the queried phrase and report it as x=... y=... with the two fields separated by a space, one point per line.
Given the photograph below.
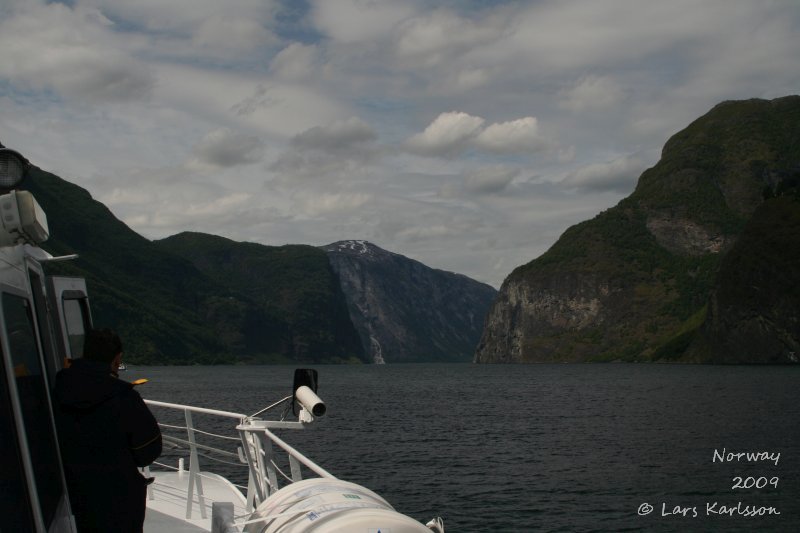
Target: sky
x=467 y=135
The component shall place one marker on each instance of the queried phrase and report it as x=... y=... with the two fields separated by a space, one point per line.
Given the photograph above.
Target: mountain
x=699 y=263
x=170 y=311
x=405 y=311
x=753 y=307
x=197 y=299
x=155 y=300
x=301 y=310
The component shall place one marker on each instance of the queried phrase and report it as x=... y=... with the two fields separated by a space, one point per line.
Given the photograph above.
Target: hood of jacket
x=86 y=384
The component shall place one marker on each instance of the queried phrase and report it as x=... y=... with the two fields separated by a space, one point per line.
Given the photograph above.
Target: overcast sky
x=465 y=134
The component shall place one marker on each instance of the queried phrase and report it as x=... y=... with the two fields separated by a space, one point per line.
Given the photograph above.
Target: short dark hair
x=101 y=345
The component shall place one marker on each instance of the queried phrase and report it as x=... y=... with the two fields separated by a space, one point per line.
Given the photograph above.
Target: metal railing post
x=294 y=466
x=194 y=471
x=257 y=477
x=272 y=475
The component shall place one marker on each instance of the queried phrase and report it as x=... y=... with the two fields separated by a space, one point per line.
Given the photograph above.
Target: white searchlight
x=310 y=401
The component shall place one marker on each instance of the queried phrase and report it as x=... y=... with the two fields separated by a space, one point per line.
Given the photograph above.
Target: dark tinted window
x=36 y=412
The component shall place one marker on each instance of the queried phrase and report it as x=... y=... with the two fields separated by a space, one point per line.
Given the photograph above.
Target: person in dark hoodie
x=105 y=432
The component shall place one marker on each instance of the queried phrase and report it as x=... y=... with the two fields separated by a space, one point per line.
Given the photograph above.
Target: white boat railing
x=254 y=450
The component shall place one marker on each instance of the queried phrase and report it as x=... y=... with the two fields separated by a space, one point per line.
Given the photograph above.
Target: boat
x=43 y=320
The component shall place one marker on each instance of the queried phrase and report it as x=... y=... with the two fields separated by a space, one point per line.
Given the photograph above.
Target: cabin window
x=34 y=402
x=14 y=501
x=75 y=319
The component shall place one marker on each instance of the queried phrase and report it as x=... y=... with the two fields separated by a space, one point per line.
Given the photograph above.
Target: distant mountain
x=405 y=311
x=272 y=305
x=699 y=263
x=301 y=311
x=198 y=299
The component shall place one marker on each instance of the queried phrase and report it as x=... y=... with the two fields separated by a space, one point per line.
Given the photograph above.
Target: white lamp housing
x=23 y=219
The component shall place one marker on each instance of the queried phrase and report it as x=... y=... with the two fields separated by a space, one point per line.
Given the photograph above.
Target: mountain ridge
x=197 y=298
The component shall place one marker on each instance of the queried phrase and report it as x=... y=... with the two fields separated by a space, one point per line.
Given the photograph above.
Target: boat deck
x=167 y=502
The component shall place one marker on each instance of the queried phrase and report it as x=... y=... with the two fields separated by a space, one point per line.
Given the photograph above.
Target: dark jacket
x=105 y=431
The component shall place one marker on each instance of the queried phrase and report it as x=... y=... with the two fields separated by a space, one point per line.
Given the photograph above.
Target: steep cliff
x=405 y=311
x=634 y=283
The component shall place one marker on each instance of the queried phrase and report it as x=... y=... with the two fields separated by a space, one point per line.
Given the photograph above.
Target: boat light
x=13 y=168
x=22 y=220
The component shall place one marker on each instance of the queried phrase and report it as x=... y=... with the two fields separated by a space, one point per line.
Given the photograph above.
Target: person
x=105 y=432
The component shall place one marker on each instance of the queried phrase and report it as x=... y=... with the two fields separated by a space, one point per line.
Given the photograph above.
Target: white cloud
x=447 y=134
x=514 y=136
x=72 y=52
x=453 y=132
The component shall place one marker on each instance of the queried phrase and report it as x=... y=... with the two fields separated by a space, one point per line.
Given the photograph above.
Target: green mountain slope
x=154 y=299
x=634 y=283
x=273 y=306
x=294 y=287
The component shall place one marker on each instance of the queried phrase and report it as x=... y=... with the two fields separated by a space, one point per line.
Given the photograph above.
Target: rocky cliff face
x=405 y=311
x=646 y=280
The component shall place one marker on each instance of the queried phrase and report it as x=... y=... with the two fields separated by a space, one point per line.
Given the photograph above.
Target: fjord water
x=582 y=447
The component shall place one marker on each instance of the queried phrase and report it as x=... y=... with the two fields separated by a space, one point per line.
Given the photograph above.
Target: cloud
x=447 y=134
x=515 y=136
x=231 y=34
x=336 y=136
x=331 y=203
x=490 y=180
x=617 y=175
x=297 y=61
x=72 y=52
x=453 y=132
x=224 y=148
x=431 y=39
x=342 y=149
x=591 y=93
x=95 y=89
x=356 y=21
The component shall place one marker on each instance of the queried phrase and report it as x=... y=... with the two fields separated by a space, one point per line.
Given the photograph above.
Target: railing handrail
x=311 y=465
x=255 y=451
x=176 y=440
x=194 y=409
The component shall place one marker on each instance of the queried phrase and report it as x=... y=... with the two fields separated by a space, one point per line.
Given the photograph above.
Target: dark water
x=540 y=447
